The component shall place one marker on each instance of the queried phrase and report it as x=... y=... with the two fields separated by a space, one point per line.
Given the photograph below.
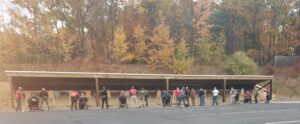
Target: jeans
x=215 y=100
x=202 y=100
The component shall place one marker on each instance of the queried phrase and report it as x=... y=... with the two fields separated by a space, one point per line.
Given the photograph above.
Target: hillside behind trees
x=169 y=35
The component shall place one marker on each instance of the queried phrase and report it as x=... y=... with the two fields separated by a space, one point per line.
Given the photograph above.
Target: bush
x=239 y=64
x=182 y=66
x=210 y=53
x=269 y=69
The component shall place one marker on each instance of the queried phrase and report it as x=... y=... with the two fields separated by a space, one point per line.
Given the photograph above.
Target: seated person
x=122 y=101
x=166 y=98
x=33 y=102
x=83 y=101
x=248 y=98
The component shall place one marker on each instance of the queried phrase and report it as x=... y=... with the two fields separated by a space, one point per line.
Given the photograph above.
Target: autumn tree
x=161 y=48
x=120 y=47
x=182 y=61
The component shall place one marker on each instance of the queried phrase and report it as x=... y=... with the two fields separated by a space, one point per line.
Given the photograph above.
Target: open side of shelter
x=35 y=80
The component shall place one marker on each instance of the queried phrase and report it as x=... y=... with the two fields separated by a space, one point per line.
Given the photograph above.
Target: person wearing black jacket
x=202 y=96
x=187 y=97
x=104 y=96
x=44 y=98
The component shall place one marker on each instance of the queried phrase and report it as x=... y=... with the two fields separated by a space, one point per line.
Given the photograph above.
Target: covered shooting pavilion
x=35 y=80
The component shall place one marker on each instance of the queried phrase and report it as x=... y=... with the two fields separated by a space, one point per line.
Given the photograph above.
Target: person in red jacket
x=74 y=99
x=177 y=94
x=19 y=96
x=268 y=96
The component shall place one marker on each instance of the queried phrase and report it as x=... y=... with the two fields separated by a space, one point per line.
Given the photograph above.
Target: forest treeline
x=173 y=34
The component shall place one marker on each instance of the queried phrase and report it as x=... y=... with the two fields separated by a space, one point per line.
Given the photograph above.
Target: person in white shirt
x=215 y=93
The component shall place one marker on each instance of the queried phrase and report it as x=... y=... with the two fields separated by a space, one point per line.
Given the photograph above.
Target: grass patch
x=4 y=97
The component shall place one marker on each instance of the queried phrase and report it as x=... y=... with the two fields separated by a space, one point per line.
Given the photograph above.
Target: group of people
x=235 y=95
x=139 y=98
x=35 y=101
x=184 y=94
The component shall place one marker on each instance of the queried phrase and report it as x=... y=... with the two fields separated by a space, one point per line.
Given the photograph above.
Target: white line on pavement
x=284 y=122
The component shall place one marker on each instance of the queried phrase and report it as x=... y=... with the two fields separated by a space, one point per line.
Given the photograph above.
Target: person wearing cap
x=19 y=96
x=122 y=100
x=44 y=98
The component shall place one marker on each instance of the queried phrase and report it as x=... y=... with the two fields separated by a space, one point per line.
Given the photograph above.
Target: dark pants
x=146 y=100
x=166 y=102
x=74 y=102
x=187 y=98
x=255 y=98
x=19 y=105
x=268 y=98
x=47 y=103
x=82 y=105
x=104 y=100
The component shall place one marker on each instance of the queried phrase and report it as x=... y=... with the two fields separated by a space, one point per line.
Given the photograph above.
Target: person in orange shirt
x=74 y=99
x=19 y=96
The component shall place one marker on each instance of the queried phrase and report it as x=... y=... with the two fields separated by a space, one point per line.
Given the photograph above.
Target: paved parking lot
x=225 y=114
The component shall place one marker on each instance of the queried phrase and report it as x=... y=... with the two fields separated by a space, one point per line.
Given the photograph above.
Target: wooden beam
x=224 y=91
x=97 y=91
x=271 y=89
x=167 y=85
x=11 y=88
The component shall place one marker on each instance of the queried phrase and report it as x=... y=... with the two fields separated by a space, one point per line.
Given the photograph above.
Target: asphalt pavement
x=276 y=113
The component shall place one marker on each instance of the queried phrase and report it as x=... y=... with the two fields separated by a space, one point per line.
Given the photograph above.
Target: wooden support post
x=271 y=89
x=167 y=85
x=97 y=91
x=224 y=91
x=11 y=88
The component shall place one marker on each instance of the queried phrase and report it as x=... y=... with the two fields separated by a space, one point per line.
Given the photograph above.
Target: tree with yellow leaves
x=182 y=62
x=120 y=47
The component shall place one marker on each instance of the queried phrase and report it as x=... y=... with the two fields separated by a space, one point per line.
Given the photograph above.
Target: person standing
x=215 y=94
x=202 y=96
x=177 y=94
x=104 y=96
x=268 y=95
x=44 y=98
x=232 y=95
x=256 y=95
x=182 y=96
x=146 y=97
x=20 y=95
x=193 y=96
x=143 y=97
x=187 y=95
x=133 y=93
x=74 y=99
